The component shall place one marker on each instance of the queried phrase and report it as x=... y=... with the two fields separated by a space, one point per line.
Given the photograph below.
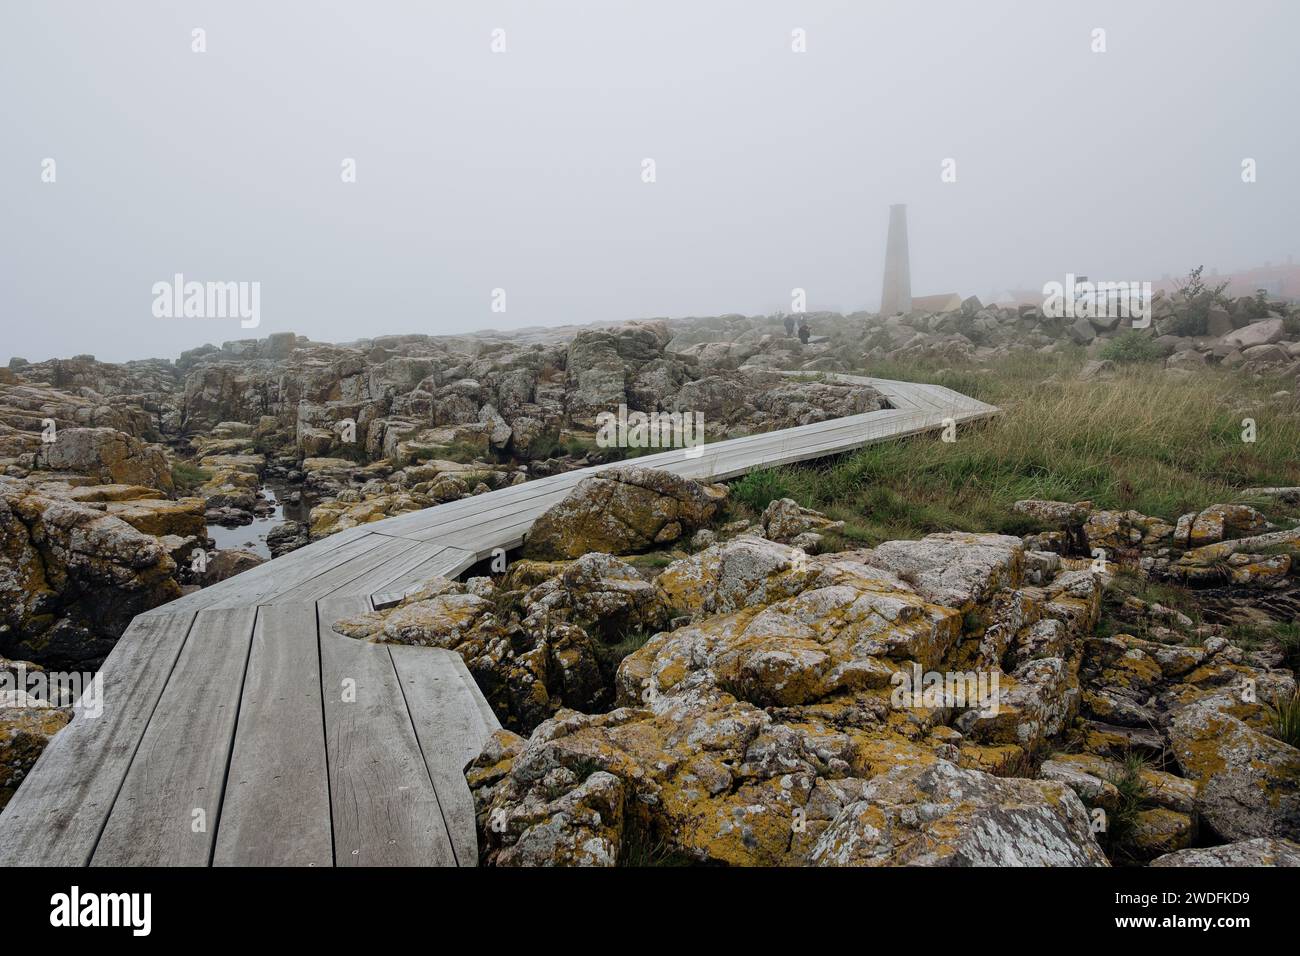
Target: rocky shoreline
x=683 y=677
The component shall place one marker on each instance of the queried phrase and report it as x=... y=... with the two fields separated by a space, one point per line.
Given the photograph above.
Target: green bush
x=187 y=477
x=1132 y=346
x=1193 y=317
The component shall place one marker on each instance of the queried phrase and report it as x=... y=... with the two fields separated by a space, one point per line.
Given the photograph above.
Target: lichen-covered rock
x=561 y=810
x=287 y=537
x=73 y=577
x=24 y=734
x=1060 y=515
x=1035 y=702
x=1094 y=790
x=1207 y=562
x=1158 y=787
x=942 y=815
x=331 y=517
x=1248 y=783
x=1159 y=830
x=108 y=454
x=623 y=510
x=839 y=632
x=1217 y=523
x=707 y=780
x=1124 y=535
x=1261 y=851
x=785 y=520
x=227 y=563
x=183 y=517
x=955 y=569
x=233 y=481
x=743 y=734
x=602 y=361
x=600 y=593
x=527 y=668
x=742 y=572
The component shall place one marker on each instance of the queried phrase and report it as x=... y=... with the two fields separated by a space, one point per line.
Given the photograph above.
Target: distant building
x=946 y=302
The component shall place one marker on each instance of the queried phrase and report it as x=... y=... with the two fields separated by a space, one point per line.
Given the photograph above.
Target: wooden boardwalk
x=238 y=728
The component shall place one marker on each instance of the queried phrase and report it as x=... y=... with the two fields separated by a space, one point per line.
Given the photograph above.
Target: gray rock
x=1262 y=851
x=1082 y=332
x=955 y=569
x=1218 y=322
x=1248 y=783
x=1265 y=332
x=941 y=815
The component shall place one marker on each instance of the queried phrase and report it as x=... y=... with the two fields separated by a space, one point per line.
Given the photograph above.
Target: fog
x=522 y=170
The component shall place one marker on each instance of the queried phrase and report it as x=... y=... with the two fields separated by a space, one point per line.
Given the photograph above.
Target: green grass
x=610 y=654
x=654 y=559
x=552 y=446
x=641 y=849
x=1138 y=441
x=1254 y=636
x=1288 y=635
x=758 y=489
x=462 y=452
x=187 y=477
x=1121 y=821
x=1131 y=346
x=1128 y=583
x=1285 y=714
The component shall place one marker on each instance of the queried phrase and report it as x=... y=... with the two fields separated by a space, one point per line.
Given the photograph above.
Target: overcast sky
x=523 y=170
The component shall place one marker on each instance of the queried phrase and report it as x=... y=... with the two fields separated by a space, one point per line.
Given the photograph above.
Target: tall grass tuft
x=1285 y=712
x=760 y=488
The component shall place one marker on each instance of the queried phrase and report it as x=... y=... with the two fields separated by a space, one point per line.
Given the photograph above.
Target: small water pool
x=252 y=537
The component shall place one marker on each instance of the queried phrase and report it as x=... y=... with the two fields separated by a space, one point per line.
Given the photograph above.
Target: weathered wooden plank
x=404 y=524
x=167 y=811
x=484 y=708
x=448 y=563
x=491 y=508
x=377 y=578
x=339 y=576
x=276 y=810
x=384 y=806
x=56 y=816
x=451 y=730
x=256 y=583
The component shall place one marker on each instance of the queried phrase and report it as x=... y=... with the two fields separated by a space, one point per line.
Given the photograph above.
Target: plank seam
x=234 y=734
x=325 y=735
x=424 y=758
x=126 y=771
